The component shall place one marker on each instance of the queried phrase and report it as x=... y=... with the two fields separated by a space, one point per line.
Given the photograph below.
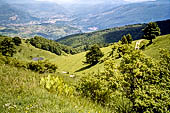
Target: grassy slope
x=27 y=52
x=20 y=90
x=74 y=63
x=158 y=43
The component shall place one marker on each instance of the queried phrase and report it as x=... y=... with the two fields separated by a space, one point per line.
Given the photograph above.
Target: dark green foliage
x=94 y=55
x=129 y=38
x=17 y=41
x=124 y=40
x=51 y=46
x=42 y=67
x=7 y=47
x=151 y=31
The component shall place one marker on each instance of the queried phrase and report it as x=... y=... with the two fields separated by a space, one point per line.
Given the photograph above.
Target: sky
x=95 y=1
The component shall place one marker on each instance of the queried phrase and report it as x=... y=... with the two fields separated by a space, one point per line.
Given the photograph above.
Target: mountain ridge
x=110 y=35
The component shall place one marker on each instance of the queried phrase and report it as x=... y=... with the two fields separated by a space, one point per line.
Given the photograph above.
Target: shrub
x=56 y=84
x=144 y=84
x=17 y=41
x=105 y=87
x=42 y=67
x=139 y=84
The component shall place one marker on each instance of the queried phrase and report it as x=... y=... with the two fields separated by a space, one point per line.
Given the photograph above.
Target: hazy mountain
x=11 y=15
x=42 y=9
x=19 y=1
x=126 y=14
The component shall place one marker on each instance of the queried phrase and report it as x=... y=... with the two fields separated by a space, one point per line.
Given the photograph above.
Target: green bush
x=139 y=84
x=105 y=88
x=7 y=47
x=56 y=84
x=42 y=67
x=17 y=41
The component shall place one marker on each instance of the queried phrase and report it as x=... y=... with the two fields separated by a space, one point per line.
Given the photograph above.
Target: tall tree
x=151 y=31
x=129 y=38
x=124 y=40
x=94 y=55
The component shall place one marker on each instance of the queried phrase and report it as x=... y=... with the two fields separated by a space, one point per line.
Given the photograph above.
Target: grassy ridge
x=110 y=35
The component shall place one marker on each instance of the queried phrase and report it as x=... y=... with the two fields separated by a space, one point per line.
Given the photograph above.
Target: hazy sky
x=94 y=1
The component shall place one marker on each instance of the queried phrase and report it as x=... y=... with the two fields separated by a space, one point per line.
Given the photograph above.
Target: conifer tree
x=151 y=31
x=124 y=40
x=129 y=38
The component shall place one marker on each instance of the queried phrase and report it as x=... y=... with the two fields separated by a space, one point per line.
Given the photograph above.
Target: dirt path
x=138 y=44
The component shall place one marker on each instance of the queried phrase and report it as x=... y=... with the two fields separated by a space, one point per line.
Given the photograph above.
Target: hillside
x=161 y=42
x=21 y=89
x=110 y=35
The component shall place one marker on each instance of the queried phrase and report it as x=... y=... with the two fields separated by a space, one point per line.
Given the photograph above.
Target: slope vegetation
x=107 y=36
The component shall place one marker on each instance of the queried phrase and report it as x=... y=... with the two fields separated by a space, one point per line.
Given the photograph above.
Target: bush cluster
x=37 y=66
x=56 y=84
x=42 y=67
x=139 y=84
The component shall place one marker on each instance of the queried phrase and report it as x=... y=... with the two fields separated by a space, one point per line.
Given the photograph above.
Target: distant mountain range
x=12 y=15
x=125 y=14
x=43 y=9
x=87 y=17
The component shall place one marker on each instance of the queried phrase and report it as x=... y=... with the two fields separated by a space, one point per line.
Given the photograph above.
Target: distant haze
x=94 y=1
x=81 y=1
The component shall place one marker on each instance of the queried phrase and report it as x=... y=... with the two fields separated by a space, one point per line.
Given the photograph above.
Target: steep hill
x=110 y=35
x=20 y=88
